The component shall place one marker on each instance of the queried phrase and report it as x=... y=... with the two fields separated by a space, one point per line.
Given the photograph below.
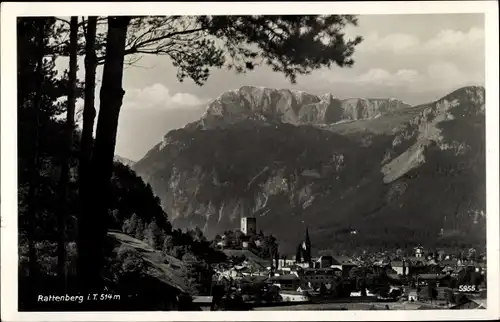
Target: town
x=379 y=281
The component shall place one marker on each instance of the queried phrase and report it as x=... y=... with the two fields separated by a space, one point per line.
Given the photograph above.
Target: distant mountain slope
x=124 y=161
x=261 y=104
x=397 y=174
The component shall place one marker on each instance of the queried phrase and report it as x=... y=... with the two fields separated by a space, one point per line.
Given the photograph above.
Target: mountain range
x=397 y=174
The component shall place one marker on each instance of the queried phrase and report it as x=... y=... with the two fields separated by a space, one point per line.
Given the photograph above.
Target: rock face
x=397 y=174
x=267 y=105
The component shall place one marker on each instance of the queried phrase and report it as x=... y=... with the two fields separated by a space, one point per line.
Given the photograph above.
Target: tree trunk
x=93 y=226
x=89 y=112
x=86 y=142
x=66 y=157
x=33 y=172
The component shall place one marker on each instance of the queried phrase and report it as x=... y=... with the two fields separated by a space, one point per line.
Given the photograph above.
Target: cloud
x=450 y=40
x=158 y=96
x=445 y=41
x=449 y=75
x=375 y=76
x=397 y=43
x=440 y=75
x=379 y=76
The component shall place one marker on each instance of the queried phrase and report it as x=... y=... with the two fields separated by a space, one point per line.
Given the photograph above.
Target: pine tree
x=292 y=45
x=92 y=228
x=66 y=158
x=38 y=90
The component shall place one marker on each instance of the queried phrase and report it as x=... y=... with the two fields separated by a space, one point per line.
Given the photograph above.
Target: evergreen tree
x=139 y=232
x=168 y=244
x=39 y=89
x=292 y=45
x=66 y=157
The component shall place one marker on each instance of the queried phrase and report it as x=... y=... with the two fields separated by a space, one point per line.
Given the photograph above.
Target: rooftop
x=289 y=277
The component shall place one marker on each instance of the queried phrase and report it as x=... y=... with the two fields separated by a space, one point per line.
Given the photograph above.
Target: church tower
x=306 y=246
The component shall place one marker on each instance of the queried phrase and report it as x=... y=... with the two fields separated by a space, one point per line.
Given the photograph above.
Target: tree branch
x=135 y=48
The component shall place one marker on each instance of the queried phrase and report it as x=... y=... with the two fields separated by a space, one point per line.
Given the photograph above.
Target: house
x=289 y=282
x=401 y=267
x=449 y=262
x=285 y=263
x=358 y=293
x=231 y=273
x=343 y=263
x=256 y=279
x=316 y=277
x=417 y=265
x=325 y=261
x=412 y=296
x=419 y=251
x=481 y=267
x=429 y=277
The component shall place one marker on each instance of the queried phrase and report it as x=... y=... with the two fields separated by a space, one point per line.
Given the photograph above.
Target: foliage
x=289 y=44
x=40 y=134
x=133 y=206
x=199 y=274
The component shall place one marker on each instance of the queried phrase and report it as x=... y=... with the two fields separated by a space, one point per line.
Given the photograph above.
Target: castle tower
x=248 y=225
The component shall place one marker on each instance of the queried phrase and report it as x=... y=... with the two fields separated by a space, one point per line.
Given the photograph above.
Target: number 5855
x=467 y=288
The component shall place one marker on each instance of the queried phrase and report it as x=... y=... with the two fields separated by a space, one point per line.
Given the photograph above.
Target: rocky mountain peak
x=268 y=105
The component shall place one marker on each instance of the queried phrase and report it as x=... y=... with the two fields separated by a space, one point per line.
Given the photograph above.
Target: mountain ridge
x=291 y=106
x=371 y=171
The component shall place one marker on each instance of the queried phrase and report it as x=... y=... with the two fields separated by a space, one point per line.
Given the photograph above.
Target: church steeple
x=307 y=247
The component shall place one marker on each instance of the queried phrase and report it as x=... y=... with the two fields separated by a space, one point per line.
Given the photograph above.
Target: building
x=343 y=263
x=412 y=296
x=324 y=262
x=400 y=267
x=249 y=225
x=419 y=251
x=426 y=278
x=315 y=277
x=283 y=262
x=289 y=282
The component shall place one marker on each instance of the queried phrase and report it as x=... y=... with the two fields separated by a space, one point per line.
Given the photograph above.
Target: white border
x=9 y=149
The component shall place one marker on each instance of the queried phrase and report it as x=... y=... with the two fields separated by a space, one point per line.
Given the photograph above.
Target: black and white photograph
x=258 y=158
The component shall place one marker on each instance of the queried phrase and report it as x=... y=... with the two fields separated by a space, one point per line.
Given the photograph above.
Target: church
x=303 y=256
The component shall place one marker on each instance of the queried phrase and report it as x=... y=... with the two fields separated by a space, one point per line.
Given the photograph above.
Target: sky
x=415 y=58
